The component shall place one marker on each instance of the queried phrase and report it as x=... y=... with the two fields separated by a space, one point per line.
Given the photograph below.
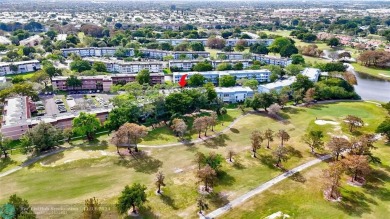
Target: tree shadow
x=292 y=110
x=4 y=162
x=298 y=177
x=140 y=162
x=218 y=141
x=355 y=203
x=168 y=201
x=93 y=145
x=144 y=212
x=268 y=160
x=238 y=165
x=293 y=152
x=374 y=187
x=234 y=130
x=218 y=199
x=319 y=106
x=225 y=179
x=52 y=159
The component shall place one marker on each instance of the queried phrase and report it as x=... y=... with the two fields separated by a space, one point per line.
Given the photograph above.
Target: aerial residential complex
x=102 y=82
x=186 y=65
x=122 y=67
x=262 y=75
x=234 y=94
x=7 y=68
x=17 y=119
x=160 y=54
x=95 y=51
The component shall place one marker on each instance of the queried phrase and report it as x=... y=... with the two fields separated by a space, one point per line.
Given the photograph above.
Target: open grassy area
x=303 y=198
x=25 y=76
x=383 y=73
x=95 y=170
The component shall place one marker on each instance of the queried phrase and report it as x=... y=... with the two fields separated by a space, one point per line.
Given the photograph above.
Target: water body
x=371 y=88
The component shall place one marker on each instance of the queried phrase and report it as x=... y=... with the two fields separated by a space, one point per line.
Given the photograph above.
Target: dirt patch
x=325 y=122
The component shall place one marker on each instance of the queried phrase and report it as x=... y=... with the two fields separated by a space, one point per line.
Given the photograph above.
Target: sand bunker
x=277 y=215
x=324 y=122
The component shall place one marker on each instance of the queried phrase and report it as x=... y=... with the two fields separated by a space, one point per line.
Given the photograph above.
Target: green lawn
x=376 y=72
x=25 y=76
x=95 y=170
x=303 y=198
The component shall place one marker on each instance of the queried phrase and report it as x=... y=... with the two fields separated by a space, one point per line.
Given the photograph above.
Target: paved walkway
x=32 y=160
x=238 y=201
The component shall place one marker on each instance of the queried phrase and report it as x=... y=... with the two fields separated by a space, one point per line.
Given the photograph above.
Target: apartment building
x=262 y=75
x=95 y=51
x=245 y=62
x=122 y=67
x=17 y=120
x=272 y=60
x=154 y=53
x=175 y=42
x=231 y=55
x=190 y=54
x=186 y=65
x=160 y=54
x=233 y=42
x=7 y=68
x=234 y=94
x=312 y=73
x=102 y=82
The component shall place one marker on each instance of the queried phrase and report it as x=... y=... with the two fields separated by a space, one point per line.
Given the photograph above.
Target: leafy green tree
x=276 y=71
x=72 y=39
x=288 y=50
x=143 y=76
x=80 y=65
x=314 y=140
x=252 y=83
x=210 y=90
x=51 y=71
x=387 y=107
x=43 y=136
x=258 y=48
x=22 y=208
x=224 y=67
x=197 y=46
x=214 y=161
x=121 y=52
x=178 y=102
x=294 y=69
x=166 y=46
x=120 y=115
x=302 y=82
x=297 y=59
x=99 y=67
x=131 y=197
x=196 y=80
x=27 y=51
x=384 y=128
x=238 y=66
x=227 y=81
x=73 y=81
x=279 y=43
x=51 y=34
x=5 y=146
x=86 y=124
x=17 y=79
x=262 y=100
x=333 y=42
x=202 y=66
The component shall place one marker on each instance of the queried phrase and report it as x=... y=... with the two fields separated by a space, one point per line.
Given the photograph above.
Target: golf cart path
x=243 y=198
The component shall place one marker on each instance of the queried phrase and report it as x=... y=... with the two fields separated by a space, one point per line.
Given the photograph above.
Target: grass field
x=376 y=72
x=94 y=169
x=25 y=76
x=304 y=199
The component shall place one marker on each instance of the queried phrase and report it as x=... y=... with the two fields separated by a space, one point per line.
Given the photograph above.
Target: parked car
x=58 y=101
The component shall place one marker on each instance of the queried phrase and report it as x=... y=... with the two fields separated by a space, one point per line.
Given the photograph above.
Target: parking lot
x=56 y=104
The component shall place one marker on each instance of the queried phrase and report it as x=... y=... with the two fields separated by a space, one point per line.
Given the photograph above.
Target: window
x=226 y=95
